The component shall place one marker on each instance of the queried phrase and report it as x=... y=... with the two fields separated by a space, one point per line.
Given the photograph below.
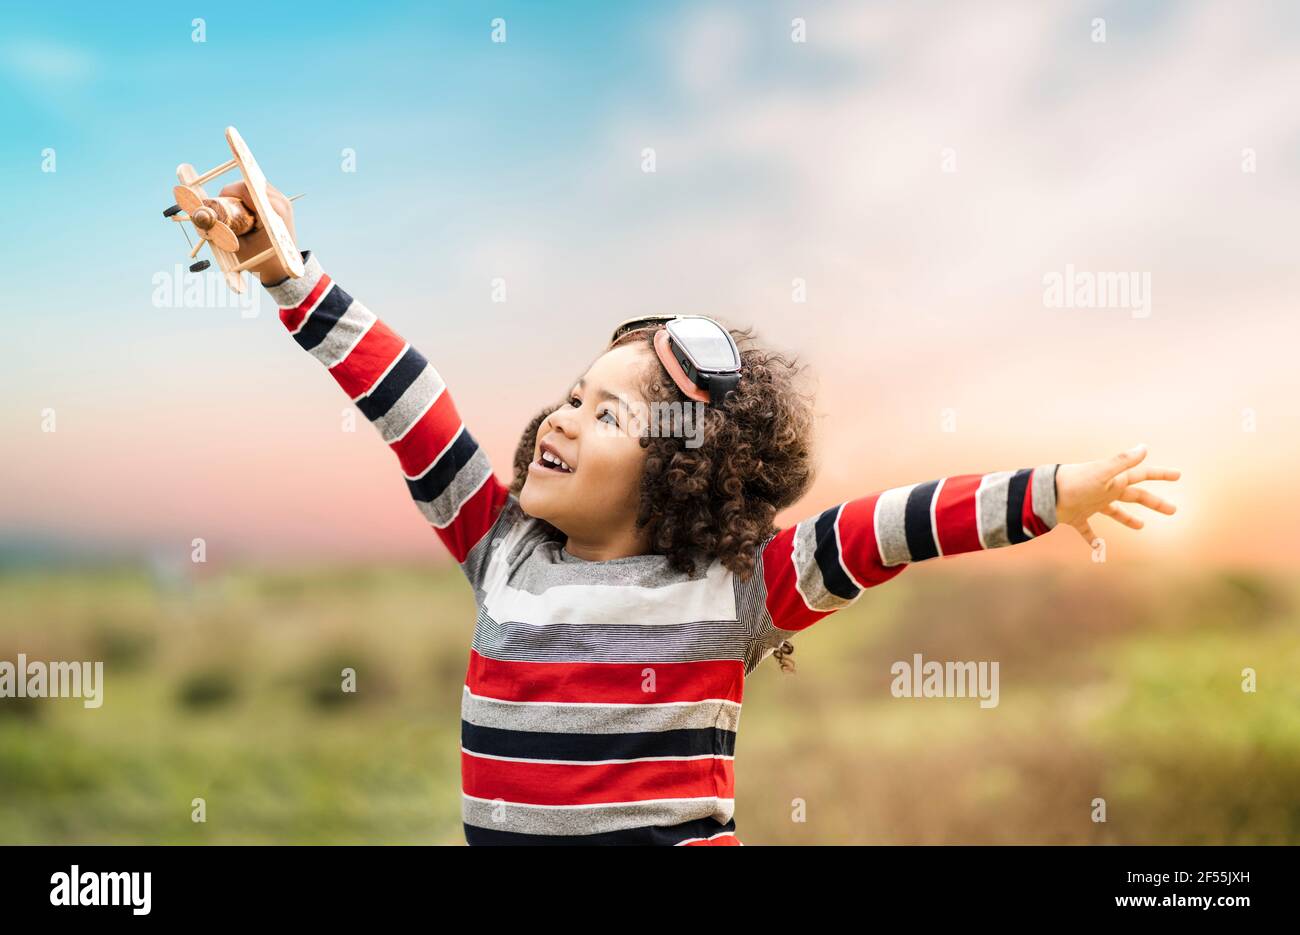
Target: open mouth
x=553 y=462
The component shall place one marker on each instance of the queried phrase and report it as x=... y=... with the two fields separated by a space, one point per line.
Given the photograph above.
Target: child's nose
x=565 y=419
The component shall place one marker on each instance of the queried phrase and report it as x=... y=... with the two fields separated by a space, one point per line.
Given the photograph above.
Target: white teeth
x=552 y=459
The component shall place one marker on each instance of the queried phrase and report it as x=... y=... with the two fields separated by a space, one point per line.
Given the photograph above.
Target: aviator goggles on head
x=698 y=353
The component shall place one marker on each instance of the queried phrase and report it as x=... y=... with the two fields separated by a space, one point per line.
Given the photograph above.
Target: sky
x=917 y=173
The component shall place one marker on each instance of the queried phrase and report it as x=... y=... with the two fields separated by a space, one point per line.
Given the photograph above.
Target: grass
x=1122 y=685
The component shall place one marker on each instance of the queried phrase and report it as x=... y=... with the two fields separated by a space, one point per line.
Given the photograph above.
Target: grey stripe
x=752 y=601
x=811 y=583
x=412 y=404
x=468 y=479
x=344 y=335
x=549 y=566
x=891 y=528
x=499 y=815
x=292 y=292
x=991 y=507
x=724 y=640
x=1045 y=493
x=598 y=718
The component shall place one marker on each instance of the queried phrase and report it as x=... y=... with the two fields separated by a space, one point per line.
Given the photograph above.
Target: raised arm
x=446 y=472
x=825 y=562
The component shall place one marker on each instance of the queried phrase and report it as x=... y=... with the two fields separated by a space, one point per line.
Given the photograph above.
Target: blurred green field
x=1118 y=683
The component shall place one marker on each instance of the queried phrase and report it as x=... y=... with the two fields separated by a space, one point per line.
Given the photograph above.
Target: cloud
x=711 y=50
x=42 y=61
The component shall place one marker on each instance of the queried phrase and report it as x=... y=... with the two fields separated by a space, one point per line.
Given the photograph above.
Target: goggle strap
x=720 y=384
x=663 y=348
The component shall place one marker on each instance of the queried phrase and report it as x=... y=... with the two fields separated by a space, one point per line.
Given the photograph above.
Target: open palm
x=1091 y=487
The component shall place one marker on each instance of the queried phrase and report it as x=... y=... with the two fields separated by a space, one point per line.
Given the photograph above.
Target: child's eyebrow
x=605 y=394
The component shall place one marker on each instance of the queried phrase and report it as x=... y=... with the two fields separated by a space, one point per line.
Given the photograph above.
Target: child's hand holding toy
x=283 y=207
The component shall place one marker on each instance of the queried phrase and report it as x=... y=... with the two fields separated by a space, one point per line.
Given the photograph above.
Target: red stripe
x=605 y=682
x=784 y=602
x=374 y=353
x=859 y=550
x=722 y=840
x=292 y=317
x=476 y=516
x=430 y=434
x=956 y=513
x=1028 y=517
x=532 y=783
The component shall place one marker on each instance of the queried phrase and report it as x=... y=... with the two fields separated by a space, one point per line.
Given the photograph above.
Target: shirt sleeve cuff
x=1044 y=494
x=290 y=293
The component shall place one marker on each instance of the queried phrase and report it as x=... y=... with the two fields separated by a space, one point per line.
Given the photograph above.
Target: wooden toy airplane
x=240 y=236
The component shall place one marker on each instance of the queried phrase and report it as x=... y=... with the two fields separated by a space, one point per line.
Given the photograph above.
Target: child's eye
x=612 y=420
x=575 y=402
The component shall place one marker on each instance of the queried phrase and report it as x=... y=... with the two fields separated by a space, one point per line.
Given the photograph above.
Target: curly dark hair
x=718 y=500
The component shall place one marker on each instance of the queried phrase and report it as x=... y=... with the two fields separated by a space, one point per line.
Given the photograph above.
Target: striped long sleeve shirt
x=602 y=698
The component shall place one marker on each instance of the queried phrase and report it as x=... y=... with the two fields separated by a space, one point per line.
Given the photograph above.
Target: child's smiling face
x=594 y=496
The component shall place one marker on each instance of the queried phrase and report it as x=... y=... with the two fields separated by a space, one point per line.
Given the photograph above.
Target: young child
x=631 y=577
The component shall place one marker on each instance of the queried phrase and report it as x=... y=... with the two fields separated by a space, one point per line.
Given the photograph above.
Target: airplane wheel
x=174 y=209
x=200 y=266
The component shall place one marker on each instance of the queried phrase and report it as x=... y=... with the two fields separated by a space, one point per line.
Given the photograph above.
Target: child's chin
x=534 y=504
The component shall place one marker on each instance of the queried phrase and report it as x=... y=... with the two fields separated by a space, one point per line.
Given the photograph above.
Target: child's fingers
x=1149 y=473
x=1122 y=516
x=237 y=190
x=1125 y=460
x=1148 y=500
x=1083 y=529
x=280 y=204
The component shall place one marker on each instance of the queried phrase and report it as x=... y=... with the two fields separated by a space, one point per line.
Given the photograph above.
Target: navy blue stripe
x=648 y=835
x=916 y=522
x=327 y=314
x=542 y=745
x=1016 y=490
x=438 y=477
x=827 y=555
x=397 y=381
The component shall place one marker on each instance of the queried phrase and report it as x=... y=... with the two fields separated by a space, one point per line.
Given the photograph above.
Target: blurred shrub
x=323 y=679
x=209 y=688
x=122 y=649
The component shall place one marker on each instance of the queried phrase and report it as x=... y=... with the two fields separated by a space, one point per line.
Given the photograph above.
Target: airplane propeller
x=213 y=218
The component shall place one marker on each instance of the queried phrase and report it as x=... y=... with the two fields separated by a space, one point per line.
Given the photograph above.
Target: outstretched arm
x=825 y=562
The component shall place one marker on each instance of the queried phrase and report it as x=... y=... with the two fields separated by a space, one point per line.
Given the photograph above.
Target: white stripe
x=712 y=598
x=416 y=421
x=979 y=513
x=454 y=516
x=501 y=801
x=794 y=566
x=603 y=704
x=348 y=353
x=839 y=552
x=638 y=759
x=934 y=520
x=875 y=530
x=720 y=834
x=316 y=305
x=387 y=370
x=436 y=458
